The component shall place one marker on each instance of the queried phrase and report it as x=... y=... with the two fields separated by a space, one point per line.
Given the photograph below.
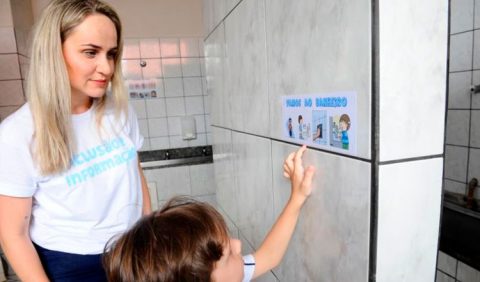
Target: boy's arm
x=275 y=244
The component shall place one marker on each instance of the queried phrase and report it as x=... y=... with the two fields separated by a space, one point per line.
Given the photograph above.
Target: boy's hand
x=300 y=178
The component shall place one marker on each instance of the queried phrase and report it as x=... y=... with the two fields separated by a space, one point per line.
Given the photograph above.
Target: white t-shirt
x=79 y=210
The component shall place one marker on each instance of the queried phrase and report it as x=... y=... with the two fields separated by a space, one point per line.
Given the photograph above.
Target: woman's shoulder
x=18 y=126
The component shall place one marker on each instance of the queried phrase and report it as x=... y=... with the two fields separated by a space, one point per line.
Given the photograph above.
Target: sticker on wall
x=143 y=89
x=327 y=121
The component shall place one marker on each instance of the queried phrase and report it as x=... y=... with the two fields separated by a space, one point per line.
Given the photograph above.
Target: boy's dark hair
x=180 y=242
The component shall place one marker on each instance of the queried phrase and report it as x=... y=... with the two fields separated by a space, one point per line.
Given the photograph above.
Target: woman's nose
x=105 y=66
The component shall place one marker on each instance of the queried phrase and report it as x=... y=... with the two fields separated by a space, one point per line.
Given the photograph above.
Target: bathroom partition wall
x=373 y=216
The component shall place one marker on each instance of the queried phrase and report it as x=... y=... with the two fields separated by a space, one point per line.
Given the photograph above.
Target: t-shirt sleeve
x=16 y=171
x=248 y=267
x=134 y=133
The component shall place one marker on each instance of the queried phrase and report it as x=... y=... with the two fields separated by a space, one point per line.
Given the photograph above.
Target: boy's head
x=184 y=241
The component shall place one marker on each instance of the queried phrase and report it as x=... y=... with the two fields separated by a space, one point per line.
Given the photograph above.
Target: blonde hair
x=48 y=85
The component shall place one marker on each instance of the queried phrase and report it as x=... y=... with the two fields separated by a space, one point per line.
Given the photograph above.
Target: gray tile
x=454 y=186
x=442 y=277
x=474 y=164
x=170 y=181
x=467 y=273
x=447 y=264
x=340 y=59
x=476 y=49
x=330 y=242
x=246 y=68
x=202 y=180
x=476 y=97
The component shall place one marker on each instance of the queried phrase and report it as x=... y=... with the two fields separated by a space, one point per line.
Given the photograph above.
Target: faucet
x=471 y=187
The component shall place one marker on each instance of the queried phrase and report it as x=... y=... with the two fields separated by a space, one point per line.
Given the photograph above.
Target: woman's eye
x=112 y=55
x=90 y=53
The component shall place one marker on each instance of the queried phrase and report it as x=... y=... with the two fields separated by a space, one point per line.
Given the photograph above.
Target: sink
x=460 y=229
x=458 y=202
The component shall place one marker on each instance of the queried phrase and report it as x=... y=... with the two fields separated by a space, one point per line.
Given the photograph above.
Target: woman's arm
x=271 y=252
x=147 y=204
x=15 y=240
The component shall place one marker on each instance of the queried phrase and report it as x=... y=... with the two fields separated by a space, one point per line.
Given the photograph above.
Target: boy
x=188 y=241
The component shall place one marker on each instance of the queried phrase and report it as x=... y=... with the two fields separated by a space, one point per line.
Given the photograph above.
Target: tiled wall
x=463 y=118
x=257 y=51
x=12 y=59
x=462 y=148
x=194 y=180
x=174 y=68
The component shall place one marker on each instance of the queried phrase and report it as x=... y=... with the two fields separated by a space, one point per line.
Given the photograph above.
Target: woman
x=69 y=172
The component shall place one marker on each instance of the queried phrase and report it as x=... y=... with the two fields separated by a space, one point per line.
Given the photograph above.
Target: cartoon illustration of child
x=290 y=127
x=300 y=127
x=344 y=127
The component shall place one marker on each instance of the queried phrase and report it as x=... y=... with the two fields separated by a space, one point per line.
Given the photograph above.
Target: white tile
x=335 y=219
x=23 y=40
x=418 y=131
x=230 y=4
x=456 y=163
x=202 y=180
x=474 y=164
x=172 y=67
x=201 y=140
x=7 y=40
x=200 y=123
x=153 y=68
x=209 y=199
x=214 y=61
x=461 y=15
x=173 y=87
x=341 y=59
x=156 y=108
x=178 y=142
x=174 y=126
x=475 y=129
x=254 y=195
x=150 y=48
x=157 y=127
x=143 y=127
x=461 y=51
x=476 y=97
x=169 y=47
x=175 y=106
x=192 y=86
x=246 y=68
x=454 y=186
x=202 y=67
x=139 y=108
x=189 y=47
x=11 y=93
x=457 y=127
x=131 y=69
x=447 y=264
x=159 y=143
x=170 y=181
x=191 y=67
x=194 y=105
x=467 y=273
x=209 y=139
x=408 y=220
x=9 y=67
x=459 y=90
x=24 y=66
x=131 y=49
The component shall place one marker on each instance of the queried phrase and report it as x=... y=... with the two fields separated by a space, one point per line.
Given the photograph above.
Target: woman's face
x=89 y=52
